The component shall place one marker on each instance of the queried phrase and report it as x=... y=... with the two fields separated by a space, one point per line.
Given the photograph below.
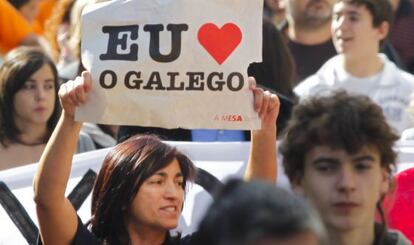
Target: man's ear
x=297 y=186
x=386 y=182
x=383 y=30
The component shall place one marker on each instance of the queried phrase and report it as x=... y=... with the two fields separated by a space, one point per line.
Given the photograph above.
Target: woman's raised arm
x=262 y=162
x=56 y=215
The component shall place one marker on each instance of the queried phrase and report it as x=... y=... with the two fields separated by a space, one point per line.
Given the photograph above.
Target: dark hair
x=340 y=121
x=17 y=4
x=124 y=170
x=246 y=212
x=19 y=64
x=381 y=10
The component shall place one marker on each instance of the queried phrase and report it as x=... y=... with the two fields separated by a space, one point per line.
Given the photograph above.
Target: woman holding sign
x=139 y=192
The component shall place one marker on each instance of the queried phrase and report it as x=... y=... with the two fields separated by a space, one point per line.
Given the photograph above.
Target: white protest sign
x=172 y=63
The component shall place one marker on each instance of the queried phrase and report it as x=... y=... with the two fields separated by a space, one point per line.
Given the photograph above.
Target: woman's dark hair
x=124 y=170
x=246 y=212
x=19 y=64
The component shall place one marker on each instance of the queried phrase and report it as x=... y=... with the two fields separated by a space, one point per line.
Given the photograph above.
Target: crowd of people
x=335 y=87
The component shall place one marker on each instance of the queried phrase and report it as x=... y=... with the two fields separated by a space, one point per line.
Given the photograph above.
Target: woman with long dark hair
x=29 y=105
x=139 y=192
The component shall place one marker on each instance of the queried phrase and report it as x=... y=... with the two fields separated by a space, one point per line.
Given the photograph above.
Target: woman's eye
x=156 y=182
x=49 y=86
x=180 y=183
x=29 y=86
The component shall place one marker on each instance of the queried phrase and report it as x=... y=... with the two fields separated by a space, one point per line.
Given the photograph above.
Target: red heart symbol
x=219 y=42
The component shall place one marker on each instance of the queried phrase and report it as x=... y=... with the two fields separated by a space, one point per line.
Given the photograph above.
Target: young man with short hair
x=338 y=154
x=358 y=28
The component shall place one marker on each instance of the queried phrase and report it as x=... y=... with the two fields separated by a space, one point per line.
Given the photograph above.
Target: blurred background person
x=29 y=9
x=308 y=34
x=274 y=10
x=45 y=11
x=258 y=213
x=359 y=28
x=29 y=106
x=14 y=29
x=401 y=35
x=57 y=33
x=64 y=35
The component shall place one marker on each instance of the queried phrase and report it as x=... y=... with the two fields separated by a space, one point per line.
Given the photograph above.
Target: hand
x=266 y=104
x=75 y=93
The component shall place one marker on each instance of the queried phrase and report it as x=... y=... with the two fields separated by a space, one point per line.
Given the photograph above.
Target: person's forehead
x=172 y=167
x=345 y=7
x=339 y=152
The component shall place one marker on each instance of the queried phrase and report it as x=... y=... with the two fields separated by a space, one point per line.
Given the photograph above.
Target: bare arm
x=262 y=162
x=57 y=217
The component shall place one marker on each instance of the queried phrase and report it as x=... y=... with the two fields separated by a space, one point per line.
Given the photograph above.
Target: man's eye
x=325 y=168
x=362 y=166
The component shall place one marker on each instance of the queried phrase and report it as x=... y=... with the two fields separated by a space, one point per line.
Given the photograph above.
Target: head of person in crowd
x=275 y=6
x=27 y=8
x=74 y=41
x=140 y=188
x=66 y=37
x=28 y=97
x=57 y=33
x=247 y=213
x=275 y=10
x=338 y=153
x=359 y=27
x=309 y=15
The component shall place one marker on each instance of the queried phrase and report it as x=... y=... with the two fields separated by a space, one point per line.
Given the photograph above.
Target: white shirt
x=391 y=88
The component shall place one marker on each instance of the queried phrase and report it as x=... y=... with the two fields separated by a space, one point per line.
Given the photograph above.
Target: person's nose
x=346 y=180
x=172 y=190
x=40 y=93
